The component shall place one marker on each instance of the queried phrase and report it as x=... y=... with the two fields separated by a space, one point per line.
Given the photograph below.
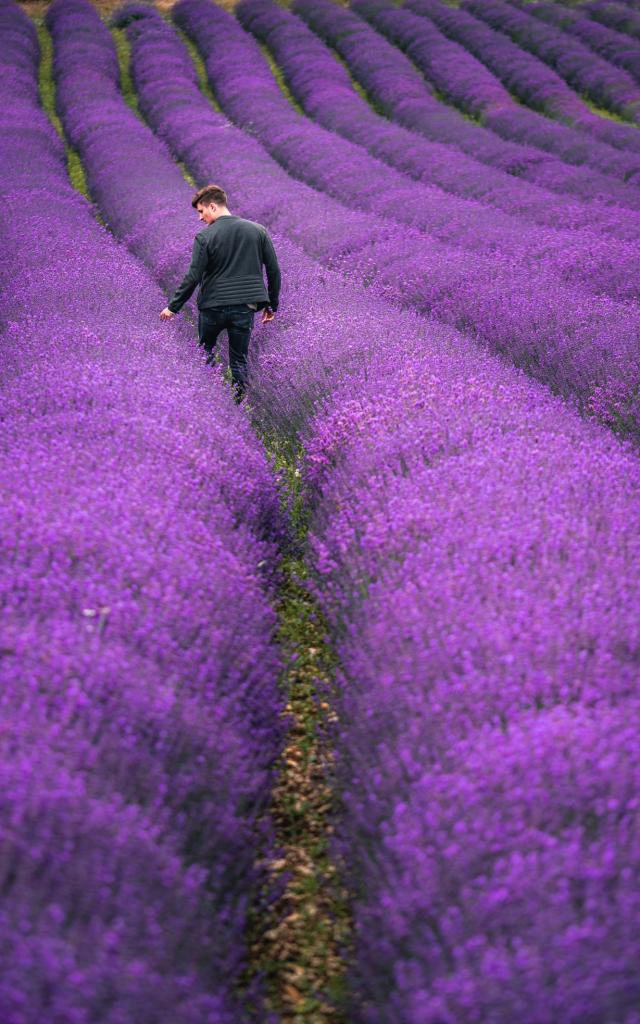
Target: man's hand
x=267 y=315
x=167 y=314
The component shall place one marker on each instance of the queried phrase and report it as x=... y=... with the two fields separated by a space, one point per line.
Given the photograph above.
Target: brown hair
x=210 y=194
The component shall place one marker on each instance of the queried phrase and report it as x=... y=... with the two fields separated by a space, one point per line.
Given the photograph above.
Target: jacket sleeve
x=192 y=278
x=270 y=261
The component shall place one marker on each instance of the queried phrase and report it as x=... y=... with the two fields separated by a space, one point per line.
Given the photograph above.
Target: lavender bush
x=475 y=545
x=469 y=539
x=323 y=88
x=130 y=174
x=586 y=73
x=448 y=495
x=402 y=93
x=429 y=537
x=140 y=708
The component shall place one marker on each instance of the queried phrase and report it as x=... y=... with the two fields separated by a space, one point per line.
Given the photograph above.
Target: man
x=227 y=260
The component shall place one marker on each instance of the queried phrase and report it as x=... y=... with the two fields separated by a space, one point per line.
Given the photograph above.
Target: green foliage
x=602 y=112
x=46 y=85
x=123 y=50
x=279 y=77
x=201 y=71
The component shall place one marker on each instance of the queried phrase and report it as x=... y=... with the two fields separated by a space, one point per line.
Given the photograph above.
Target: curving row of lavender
x=398 y=89
x=470 y=552
x=576 y=342
x=140 y=711
x=475 y=544
x=585 y=72
x=323 y=87
x=450 y=448
x=138 y=188
x=461 y=57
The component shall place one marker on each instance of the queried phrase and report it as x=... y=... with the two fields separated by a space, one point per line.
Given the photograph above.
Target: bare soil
x=37 y=8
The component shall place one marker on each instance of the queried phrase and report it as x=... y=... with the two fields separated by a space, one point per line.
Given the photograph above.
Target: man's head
x=210 y=202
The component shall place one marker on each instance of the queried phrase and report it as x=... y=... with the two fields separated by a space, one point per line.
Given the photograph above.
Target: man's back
x=228 y=256
x=227 y=261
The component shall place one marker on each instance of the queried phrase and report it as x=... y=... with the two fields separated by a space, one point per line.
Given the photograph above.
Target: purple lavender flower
x=535 y=323
x=475 y=547
x=323 y=88
x=531 y=81
x=487 y=764
x=325 y=91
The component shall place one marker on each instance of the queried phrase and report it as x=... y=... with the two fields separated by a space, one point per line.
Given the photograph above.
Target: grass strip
x=47 y=88
x=123 y=51
x=603 y=112
x=201 y=71
x=279 y=77
x=300 y=942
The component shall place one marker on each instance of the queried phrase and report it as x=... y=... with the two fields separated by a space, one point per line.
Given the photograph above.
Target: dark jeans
x=238 y=322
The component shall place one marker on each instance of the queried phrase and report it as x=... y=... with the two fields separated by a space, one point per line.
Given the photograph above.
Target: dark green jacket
x=227 y=262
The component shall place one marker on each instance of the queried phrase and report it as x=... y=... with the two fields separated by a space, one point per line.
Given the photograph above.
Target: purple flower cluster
x=476 y=546
x=488 y=751
x=402 y=93
x=140 y=710
x=458 y=76
x=576 y=63
x=131 y=176
x=527 y=77
x=612 y=45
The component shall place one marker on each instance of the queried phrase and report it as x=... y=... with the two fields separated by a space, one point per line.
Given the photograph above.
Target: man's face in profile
x=207 y=213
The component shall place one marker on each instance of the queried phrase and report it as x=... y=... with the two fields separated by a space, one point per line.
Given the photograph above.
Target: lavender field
x=325 y=706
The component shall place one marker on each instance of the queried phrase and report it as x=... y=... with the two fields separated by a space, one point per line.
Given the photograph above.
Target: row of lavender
x=475 y=545
x=614 y=46
x=617 y=16
x=571 y=339
x=323 y=87
x=139 y=699
x=588 y=74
